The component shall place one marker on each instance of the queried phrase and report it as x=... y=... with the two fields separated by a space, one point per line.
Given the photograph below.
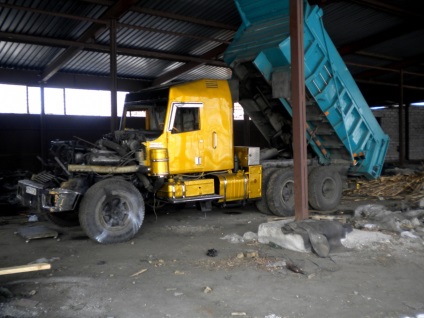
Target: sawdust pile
x=395 y=187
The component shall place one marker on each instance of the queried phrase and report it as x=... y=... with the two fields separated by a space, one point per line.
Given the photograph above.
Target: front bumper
x=36 y=195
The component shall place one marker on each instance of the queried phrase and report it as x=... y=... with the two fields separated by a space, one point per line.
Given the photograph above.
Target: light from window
x=87 y=102
x=34 y=100
x=13 y=99
x=238 y=112
x=53 y=101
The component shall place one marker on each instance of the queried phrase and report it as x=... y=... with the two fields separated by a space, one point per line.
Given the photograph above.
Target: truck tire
x=111 y=211
x=280 y=192
x=63 y=219
x=324 y=188
x=262 y=204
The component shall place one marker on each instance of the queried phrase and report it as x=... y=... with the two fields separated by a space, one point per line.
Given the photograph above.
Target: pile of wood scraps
x=393 y=187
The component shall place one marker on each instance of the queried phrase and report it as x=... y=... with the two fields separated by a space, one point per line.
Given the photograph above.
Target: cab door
x=185 y=142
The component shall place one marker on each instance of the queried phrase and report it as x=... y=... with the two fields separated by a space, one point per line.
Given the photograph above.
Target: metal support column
x=43 y=150
x=401 y=123
x=407 y=127
x=113 y=77
x=299 y=110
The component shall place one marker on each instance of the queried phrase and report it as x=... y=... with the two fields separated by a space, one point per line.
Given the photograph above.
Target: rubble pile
x=378 y=217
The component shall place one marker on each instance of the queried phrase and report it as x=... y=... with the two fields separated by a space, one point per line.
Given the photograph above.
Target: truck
x=175 y=142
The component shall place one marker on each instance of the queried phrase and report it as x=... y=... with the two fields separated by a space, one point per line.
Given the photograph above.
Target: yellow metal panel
x=199 y=187
x=233 y=186
x=159 y=162
x=211 y=147
x=185 y=189
x=255 y=181
x=213 y=143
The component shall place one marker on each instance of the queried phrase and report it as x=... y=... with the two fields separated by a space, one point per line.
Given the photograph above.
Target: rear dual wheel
x=324 y=190
x=262 y=204
x=280 y=192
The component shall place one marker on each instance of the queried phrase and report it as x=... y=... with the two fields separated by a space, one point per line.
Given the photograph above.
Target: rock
x=251 y=254
x=414 y=214
x=250 y=236
x=240 y=255
x=207 y=290
x=371 y=227
x=421 y=203
x=415 y=223
x=178 y=294
x=271 y=233
x=408 y=235
x=233 y=238
x=6 y=293
x=179 y=273
x=277 y=264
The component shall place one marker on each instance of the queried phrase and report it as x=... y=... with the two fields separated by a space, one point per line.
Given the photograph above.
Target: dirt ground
x=165 y=272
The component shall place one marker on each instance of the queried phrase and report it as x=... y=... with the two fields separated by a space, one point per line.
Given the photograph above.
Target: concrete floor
x=165 y=272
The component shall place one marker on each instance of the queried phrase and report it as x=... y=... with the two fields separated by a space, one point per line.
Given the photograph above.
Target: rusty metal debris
x=294 y=268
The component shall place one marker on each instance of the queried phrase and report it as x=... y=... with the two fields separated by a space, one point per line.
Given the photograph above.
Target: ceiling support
x=113 y=77
x=169 y=76
x=299 y=110
x=114 y=11
x=10 y=37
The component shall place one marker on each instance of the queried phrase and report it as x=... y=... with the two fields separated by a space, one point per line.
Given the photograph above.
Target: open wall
x=20 y=138
x=414 y=132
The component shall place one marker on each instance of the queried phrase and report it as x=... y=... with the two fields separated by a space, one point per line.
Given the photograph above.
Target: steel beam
x=169 y=76
x=299 y=110
x=184 y=18
x=114 y=11
x=12 y=37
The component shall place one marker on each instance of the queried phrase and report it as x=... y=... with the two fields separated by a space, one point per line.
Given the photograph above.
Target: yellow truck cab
x=193 y=146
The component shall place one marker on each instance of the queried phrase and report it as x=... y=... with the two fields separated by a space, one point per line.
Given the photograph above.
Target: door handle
x=214 y=140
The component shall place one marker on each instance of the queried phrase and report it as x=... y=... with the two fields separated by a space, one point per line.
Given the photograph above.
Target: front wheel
x=111 y=211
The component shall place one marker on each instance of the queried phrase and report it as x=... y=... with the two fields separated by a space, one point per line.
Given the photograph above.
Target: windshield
x=145 y=118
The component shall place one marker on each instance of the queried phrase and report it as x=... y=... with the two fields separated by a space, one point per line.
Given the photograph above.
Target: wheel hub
x=115 y=212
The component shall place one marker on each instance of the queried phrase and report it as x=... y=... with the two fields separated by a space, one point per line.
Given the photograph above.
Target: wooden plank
x=24 y=268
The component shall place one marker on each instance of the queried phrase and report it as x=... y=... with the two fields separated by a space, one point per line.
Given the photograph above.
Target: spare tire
x=280 y=192
x=111 y=211
x=324 y=188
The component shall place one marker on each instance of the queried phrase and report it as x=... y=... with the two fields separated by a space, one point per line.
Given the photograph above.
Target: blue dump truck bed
x=340 y=124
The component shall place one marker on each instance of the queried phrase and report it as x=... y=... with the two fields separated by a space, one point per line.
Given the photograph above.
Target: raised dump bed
x=340 y=124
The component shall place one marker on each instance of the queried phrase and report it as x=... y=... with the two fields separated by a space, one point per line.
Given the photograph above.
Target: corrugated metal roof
x=188 y=29
x=349 y=22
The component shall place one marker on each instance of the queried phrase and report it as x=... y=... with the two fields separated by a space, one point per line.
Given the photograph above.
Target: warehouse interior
x=129 y=45
x=167 y=270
